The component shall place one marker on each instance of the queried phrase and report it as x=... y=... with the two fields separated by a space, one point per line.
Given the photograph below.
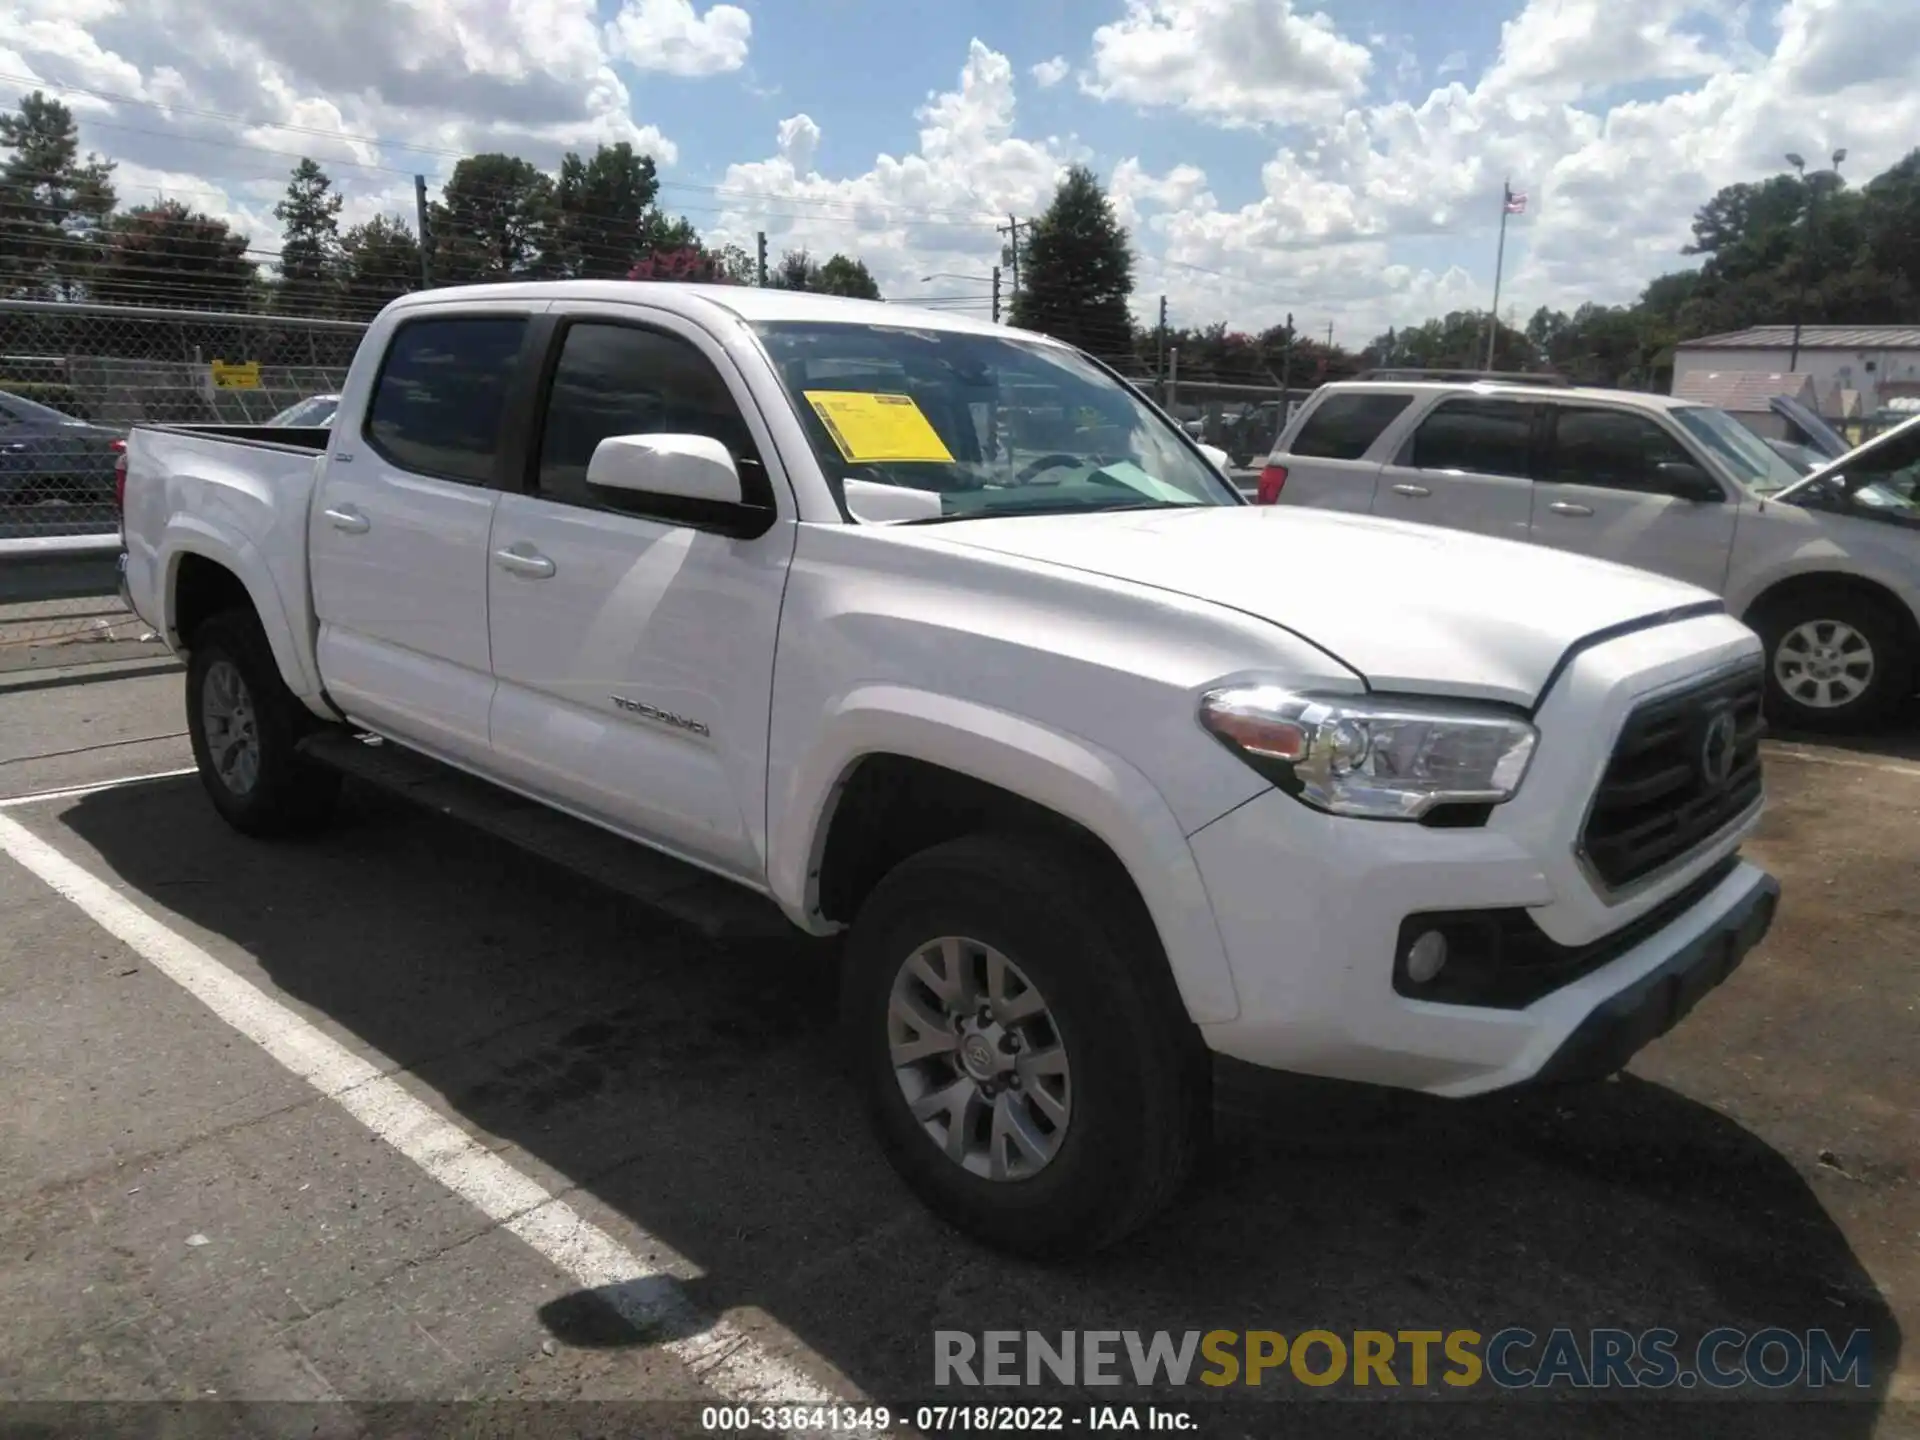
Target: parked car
x=1679 y=489
x=1101 y=770
x=315 y=410
x=1803 y=458
x=45 y=455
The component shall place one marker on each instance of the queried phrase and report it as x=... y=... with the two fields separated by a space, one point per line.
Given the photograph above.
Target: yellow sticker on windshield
x=869 y=427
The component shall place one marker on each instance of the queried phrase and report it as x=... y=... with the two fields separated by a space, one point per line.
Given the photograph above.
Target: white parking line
x=734 y=1365
x=34 y=797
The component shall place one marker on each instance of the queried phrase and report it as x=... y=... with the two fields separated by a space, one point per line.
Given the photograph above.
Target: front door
x=1466 y=466
x=1600 y=493
x=398 y=534
x=633 y=651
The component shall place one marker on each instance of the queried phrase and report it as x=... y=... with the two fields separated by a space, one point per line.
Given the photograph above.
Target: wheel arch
x=853 y=807
x=209 y=572
x=1790 y=588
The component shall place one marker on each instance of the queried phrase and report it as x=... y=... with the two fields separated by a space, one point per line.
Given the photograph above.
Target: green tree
x=602 y=212
x=843 y=275
x=1456 y=342
x=379 y=262
x=169 y=255
x=795 y=270
x=1891 y=221
x=493 y=221
x=53 y=203
x=309 y=242
x=1077 y=276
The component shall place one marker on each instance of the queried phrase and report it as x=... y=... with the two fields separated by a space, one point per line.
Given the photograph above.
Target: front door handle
x=1567 y=507
x=1419 y=492
x=346 y=518
x=531 y=564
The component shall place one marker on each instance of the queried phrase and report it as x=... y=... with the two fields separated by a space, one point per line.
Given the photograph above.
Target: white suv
x=1826 y=567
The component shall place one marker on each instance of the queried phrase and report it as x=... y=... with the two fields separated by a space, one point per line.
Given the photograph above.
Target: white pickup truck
x=939 y=634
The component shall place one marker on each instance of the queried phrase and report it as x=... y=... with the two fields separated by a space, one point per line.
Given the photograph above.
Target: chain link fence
x=74 y=378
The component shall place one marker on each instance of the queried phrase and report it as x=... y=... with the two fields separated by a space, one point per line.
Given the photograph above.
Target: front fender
x=1075 y=779
x=189 y=534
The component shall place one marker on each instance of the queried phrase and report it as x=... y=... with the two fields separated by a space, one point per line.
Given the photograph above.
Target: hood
x=1409 y=607
x=1820 y=435
x=1886 y=439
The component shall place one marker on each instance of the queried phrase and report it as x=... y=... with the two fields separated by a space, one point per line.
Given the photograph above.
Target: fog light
x=1426 y=956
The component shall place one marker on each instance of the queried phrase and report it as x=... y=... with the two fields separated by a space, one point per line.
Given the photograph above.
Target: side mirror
x=1221 y=460
x=627 y=470
x=1687 y=481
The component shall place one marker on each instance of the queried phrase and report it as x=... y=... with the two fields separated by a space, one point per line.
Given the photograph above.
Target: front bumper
x=1310 y=907
x=1624 y=1024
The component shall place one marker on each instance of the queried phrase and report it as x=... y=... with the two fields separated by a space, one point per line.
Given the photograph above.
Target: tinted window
x=1343 y=426
x=441 y=394
x=1610 y=448
x=1491 y=437
x=616 y=380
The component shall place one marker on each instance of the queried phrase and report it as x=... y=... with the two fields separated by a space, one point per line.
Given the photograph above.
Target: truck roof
x=745 y=301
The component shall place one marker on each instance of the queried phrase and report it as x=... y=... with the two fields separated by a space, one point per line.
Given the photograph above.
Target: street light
x=993 y=280
x=1799 y=165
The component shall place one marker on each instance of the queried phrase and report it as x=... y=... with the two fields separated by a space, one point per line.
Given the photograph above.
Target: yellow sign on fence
x=236 y=377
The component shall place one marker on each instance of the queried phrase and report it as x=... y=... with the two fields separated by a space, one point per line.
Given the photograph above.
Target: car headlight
x=1377 y=758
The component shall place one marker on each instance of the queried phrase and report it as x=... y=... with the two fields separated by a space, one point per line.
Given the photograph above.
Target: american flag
x=1516 y=202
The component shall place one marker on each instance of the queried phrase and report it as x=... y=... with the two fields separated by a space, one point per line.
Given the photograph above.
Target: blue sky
x=1340 y=160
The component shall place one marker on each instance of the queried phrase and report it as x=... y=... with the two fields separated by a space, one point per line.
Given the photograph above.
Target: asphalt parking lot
x=402 y=1115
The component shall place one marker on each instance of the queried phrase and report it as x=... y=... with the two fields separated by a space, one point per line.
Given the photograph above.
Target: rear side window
x=1343 y=426
x=443 y=387
x=1488 y=437
x=1610 y=449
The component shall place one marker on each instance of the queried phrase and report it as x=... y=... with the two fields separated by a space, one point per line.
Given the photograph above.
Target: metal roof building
x=1855 y=370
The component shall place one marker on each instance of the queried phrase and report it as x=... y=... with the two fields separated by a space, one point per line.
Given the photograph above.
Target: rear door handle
x=529 y=563
x=1419 y=492
x=347 y=518
x=1567 y=507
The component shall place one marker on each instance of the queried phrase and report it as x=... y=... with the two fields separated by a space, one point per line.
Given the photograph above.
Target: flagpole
x=1499 y=262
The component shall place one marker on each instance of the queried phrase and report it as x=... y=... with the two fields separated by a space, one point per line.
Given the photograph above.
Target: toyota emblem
x=1716 y=750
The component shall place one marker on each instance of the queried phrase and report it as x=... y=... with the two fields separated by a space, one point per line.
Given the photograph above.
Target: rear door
x=1468 y=465
x=1599 y=493
x=1326 y=459
x=397 y=538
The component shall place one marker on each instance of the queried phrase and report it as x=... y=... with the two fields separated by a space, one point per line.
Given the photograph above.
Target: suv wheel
x=1027 y=1064
x=1835 y=661
x=244 y=725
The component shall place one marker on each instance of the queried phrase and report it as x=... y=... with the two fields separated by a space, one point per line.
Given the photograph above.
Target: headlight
x=1381 y=759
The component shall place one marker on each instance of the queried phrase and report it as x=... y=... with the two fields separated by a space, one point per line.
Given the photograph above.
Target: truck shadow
x=700 y=1094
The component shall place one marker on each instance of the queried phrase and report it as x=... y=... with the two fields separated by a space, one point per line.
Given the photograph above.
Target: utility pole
x=1173 y=378
x=1806 y=248
x=1286 y=370
x=1329 y=337
x=996 y=294
x=1012 y=231
x=1160 y=352
x=762 y=266
x=422 y=218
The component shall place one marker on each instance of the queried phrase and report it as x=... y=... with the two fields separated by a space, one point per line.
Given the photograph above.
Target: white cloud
x=1234 y=62
x=671 y=36
x=911 y=215
x=1049 y=73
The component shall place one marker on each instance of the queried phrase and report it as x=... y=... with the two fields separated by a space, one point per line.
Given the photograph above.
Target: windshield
x=314 y=410
x=923 y=425
x=1752 y=461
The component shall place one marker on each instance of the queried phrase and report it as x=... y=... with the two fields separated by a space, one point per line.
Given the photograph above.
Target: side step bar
x=704 y=902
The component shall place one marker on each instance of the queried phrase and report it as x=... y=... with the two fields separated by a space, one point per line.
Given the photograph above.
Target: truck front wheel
x=1030 y=1073
x=245 y=725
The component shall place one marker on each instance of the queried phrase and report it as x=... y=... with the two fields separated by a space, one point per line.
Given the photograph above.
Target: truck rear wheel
x=1029 y=1070
x=245 y=726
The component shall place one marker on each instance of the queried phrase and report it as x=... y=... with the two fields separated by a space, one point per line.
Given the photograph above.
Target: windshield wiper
x=1056 y=510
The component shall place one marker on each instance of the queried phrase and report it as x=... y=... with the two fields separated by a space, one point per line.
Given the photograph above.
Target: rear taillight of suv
x=1273 y=479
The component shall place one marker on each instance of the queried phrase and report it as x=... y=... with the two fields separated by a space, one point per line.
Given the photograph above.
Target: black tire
x=1141 y=1078
x=1780 y=622
x=288 y=794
